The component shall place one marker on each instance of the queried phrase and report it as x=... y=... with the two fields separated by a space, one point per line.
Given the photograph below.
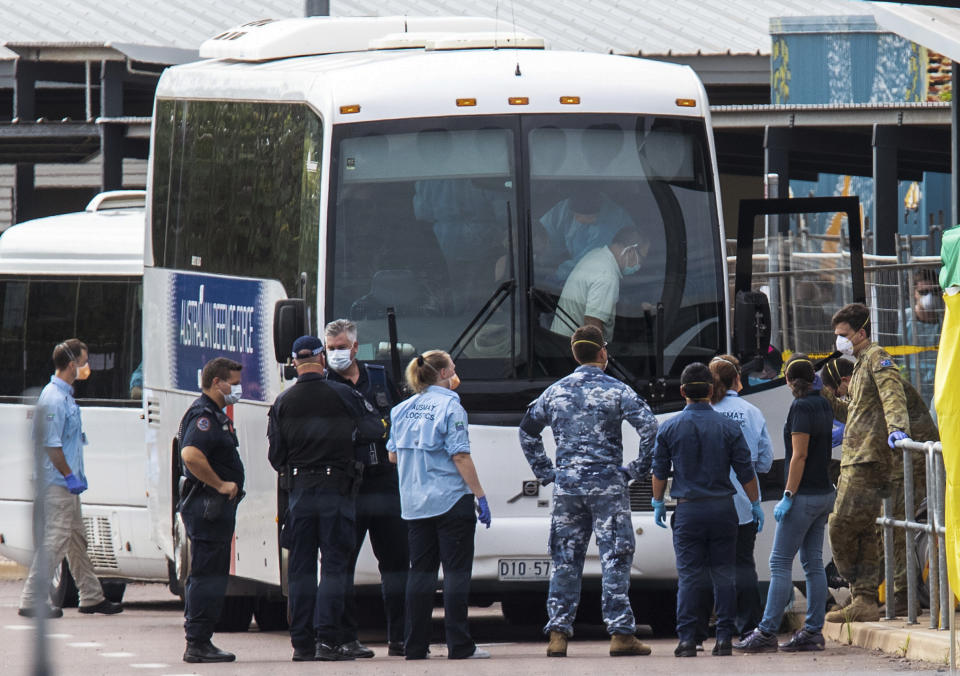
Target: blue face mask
x=236 y=391
x=631 y=269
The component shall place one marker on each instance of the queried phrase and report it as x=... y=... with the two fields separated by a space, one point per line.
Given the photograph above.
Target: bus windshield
x=498 y=235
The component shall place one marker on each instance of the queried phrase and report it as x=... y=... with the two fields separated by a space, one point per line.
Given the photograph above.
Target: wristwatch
x=788 y=494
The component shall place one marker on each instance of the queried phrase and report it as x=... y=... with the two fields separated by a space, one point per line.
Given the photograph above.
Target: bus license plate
x=524 y=569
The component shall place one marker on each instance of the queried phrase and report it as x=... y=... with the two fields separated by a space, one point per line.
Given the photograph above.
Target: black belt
x=320 y=470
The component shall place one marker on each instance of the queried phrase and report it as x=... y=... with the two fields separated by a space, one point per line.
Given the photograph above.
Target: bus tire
x=63 y=590
x=236 y=614
x=113 y=590
x=271 y=613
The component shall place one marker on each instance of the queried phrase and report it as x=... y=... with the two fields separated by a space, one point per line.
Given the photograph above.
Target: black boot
x=205 y=651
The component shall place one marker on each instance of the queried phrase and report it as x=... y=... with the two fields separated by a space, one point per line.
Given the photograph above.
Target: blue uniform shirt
x=702 y=445
x=586 y=410
x=57 y=424
x=426 y=431
x=754 y=428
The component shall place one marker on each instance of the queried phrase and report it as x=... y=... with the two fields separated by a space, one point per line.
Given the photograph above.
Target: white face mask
x=339 y=360
x=845 y=346
x=928 y=302
x=236 y=391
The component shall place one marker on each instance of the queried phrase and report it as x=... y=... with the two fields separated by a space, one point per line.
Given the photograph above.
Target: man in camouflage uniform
x=876 y=417
x=586 y=411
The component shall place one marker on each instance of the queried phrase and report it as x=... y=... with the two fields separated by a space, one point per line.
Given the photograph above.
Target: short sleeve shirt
x=813 y=415
x=591 y=290
x=427 y=430
x=57 y=424
x=207 y=428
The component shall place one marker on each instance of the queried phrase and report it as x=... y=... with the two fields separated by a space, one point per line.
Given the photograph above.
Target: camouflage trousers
x=899 y=535
x=575 y=518
x=852 y=525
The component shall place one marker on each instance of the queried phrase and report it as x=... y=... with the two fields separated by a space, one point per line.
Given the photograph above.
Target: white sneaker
x=480 y=654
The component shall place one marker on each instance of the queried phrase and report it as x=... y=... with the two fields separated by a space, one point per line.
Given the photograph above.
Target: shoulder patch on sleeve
x=203 y=423
x=884 y=363
x=458 y=425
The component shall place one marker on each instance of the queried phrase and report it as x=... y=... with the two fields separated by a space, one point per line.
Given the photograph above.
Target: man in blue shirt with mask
x=59 y=439
x=702 y=445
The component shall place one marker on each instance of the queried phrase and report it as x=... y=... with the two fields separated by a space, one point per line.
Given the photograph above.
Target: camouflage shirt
x=877 y=407
x=586 y=411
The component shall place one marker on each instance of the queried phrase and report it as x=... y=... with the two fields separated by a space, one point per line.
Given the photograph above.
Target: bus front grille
x=641 y=491
x=100 y=542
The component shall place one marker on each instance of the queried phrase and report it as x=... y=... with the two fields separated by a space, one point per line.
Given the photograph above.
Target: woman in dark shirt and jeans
x=801 y=515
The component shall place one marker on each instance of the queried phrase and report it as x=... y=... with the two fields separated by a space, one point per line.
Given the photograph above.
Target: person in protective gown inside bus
x=590 y=294
x=586 y=411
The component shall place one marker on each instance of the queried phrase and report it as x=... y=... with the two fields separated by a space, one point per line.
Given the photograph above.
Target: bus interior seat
x=399 y=289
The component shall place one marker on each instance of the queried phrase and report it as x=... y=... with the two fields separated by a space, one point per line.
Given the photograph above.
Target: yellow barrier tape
x=893 y=351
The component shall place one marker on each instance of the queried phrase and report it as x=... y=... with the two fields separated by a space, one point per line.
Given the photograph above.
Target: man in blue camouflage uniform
x=586 y=411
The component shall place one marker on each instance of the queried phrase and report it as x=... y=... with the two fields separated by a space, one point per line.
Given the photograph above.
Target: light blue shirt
x=426 y=431
x=57 y=424
x=754 y=428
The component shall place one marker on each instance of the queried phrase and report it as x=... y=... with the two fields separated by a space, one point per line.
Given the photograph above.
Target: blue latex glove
x=757 y=514
x=836 y=436
x=626 y=474
x=74 y=485
x=782 y=508
x=483 y=512
x=659 y=512
x=896 y=436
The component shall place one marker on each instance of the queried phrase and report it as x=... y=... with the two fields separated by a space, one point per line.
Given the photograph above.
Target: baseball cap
x=307 y=346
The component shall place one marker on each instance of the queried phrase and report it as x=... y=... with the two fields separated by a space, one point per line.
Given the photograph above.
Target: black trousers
x=446 y=539
x=378 y=513
x=321 y=520
x=749 y=605
x=205 y=588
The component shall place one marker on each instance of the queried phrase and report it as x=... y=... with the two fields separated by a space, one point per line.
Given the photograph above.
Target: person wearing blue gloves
x=438 y=485
x=59 y=440
x=702 y=445
x=801 y=516
x=586 y=411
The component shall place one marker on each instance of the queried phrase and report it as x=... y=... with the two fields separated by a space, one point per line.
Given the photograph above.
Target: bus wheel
x=236 y=614
x=270 y=613
x=63 y=590
x=525 y=608
x=181 y=556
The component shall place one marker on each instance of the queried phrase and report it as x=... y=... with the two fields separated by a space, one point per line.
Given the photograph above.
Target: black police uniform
x=311 y=430
x=378 y=510
x=208 y=515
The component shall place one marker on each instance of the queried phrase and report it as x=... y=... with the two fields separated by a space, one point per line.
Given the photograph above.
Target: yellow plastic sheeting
x=947 y=401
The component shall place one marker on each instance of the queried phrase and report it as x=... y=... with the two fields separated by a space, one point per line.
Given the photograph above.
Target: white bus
x=418 y=176
x=79 y=275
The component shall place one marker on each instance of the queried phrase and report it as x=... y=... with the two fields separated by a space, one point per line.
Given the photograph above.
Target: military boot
x=863 y=609
x=625 y=645
x=558 y=644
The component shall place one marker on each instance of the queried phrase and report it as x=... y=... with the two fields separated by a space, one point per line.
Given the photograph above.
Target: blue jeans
x=800 y=530
x=705 y=544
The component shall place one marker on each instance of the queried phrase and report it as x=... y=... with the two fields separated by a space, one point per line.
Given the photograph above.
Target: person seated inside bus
x=582 y=222
x=590 y=294
x=383 y=236
x=469 y=220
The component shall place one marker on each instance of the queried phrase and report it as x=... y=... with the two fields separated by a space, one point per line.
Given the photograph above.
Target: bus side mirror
x=289 y=323
x=751 y=326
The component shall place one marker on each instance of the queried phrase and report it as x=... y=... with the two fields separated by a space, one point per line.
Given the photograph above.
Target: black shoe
x=106 y=607
x=205 y=652
x=757 y=642
x=327 y=653
x=355 y=649
x=803 y=641
x=685 y=649
x=395 y=649
x=304 y=654
x=722 y=648
x=48 y=611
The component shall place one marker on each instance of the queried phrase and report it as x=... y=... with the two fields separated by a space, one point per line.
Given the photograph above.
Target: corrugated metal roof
x=937 y=28
x=653 y=27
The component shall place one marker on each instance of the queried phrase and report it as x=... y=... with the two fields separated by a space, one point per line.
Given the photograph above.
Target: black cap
x=305 y=347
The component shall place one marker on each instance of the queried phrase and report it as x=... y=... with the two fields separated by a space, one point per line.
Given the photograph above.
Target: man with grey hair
x=378 y=503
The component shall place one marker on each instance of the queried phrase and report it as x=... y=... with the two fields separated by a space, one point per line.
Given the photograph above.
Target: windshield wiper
x=500 y=294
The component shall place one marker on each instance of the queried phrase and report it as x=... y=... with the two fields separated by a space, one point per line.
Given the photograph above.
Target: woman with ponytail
x=801 y=515
x=438 y=484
